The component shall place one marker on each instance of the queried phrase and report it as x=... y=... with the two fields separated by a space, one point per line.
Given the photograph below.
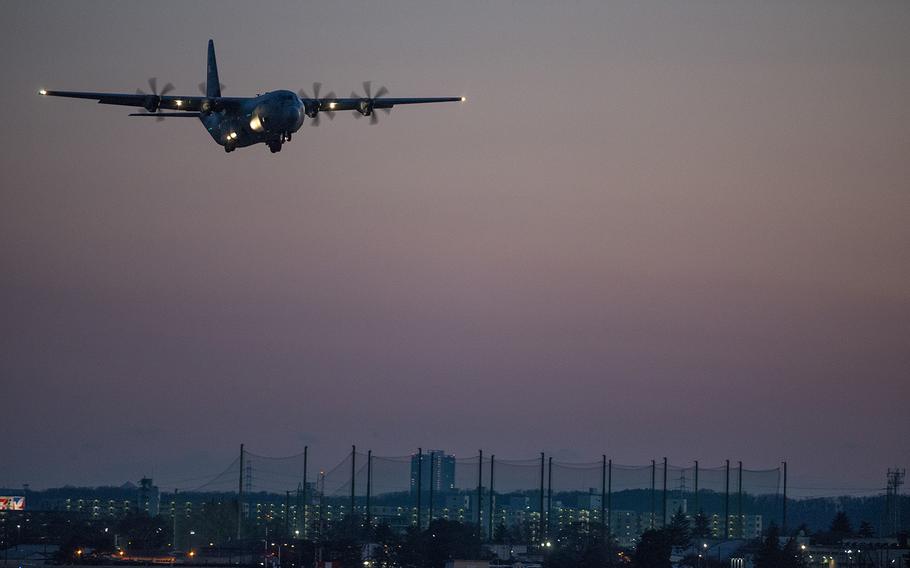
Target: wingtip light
x=464 y=99
x=42 y=92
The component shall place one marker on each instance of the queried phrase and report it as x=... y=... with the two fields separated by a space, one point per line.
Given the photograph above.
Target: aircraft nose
x=294 y=116
x=293 y=113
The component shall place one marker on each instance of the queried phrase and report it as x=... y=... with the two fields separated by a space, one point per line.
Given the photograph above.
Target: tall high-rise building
x=149 y=500
x=443 y=470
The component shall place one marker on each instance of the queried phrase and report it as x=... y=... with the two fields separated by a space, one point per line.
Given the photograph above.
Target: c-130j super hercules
x=237 y=122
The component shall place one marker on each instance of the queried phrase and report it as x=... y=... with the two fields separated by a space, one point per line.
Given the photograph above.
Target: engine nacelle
x=365 y=107
x=151 y=103
x=311 y=110
x=259 y=120
x=212 y=105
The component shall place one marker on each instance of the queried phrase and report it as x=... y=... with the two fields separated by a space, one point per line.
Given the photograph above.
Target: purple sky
x=656 y=229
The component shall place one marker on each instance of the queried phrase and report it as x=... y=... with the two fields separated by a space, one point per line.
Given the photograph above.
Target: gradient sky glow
x=656 y=229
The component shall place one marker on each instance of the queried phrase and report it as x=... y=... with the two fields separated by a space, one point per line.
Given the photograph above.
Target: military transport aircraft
x=236 y=122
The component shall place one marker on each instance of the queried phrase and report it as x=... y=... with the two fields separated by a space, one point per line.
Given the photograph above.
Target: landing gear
x=274 y=145
x=286 y=136
x=229 y=148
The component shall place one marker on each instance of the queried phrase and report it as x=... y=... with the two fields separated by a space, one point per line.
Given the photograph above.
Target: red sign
x=12 y=503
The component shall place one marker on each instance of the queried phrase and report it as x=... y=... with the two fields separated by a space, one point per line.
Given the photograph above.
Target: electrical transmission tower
x=682 y=491
x=892 y=501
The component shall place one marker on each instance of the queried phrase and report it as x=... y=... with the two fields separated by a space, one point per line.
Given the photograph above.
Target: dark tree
x=443 y=540
x=345 y=550
x=389 y=547
x=792 y=556
x=678 y=530
x=78 y=536
x=701 y=528
x=410 y=555
x=217 y=522
x=581 y=545
x=839 y=530
x=771 y=555
x=342 y=542
x=447 y=540
x=840 y=525
x=653 y=551
x=500 y=533
x=143 y=532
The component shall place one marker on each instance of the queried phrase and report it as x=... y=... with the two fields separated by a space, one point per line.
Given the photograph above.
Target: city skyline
x=655 y=229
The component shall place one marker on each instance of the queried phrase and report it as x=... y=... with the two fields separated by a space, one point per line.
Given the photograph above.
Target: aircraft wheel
x=275 y=146
x=228 y=148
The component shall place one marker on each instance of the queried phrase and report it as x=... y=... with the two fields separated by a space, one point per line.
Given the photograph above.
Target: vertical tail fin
x=212 y=85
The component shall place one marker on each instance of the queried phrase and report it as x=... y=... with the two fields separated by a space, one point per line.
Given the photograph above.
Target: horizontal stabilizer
x=168 y=114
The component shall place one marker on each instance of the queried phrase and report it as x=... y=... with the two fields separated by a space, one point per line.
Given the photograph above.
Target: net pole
x=540 y=520
x=369 y=489
x=419 y=483
x=697 y=510
x=287 y=510
x=665 y=493
x=739 y=503
x=305 y=448
x=727 y=501
x=479 y=491
x=609 y=494
x=653 y=493
x=239 y=500
x=492 y=494
x=549 y=493
x=174 y=534
x=353 y=479
x=603 y=498
x=320 y=525
x=784 y=509
x=432 y=484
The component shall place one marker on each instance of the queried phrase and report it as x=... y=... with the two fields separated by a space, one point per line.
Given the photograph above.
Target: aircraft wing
x=149 y=102
x=383 y=102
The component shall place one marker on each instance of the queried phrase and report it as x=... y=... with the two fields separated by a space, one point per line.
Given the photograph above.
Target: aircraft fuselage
x=270 y=118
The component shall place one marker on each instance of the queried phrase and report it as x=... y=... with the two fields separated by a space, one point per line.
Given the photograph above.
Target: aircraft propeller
x=314 y=112
x=151 y=104
x=367 y=109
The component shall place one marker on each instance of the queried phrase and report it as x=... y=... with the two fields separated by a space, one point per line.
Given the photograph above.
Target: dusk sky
x=655 y=229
